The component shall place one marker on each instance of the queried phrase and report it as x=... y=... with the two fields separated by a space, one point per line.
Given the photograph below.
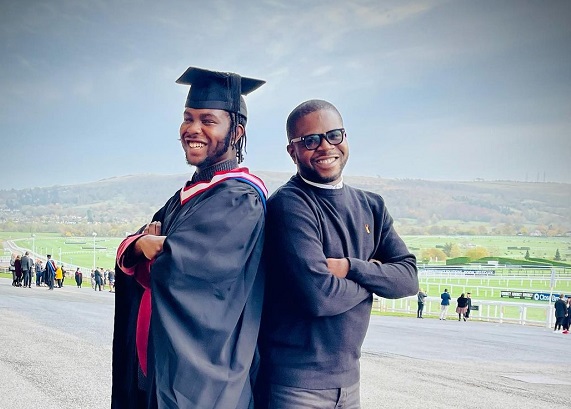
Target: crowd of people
x=100 y=278
x=25 y=270
x=463 y=305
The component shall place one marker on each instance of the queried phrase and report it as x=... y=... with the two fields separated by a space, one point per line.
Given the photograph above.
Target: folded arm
x=391 y=272
x=295 y=238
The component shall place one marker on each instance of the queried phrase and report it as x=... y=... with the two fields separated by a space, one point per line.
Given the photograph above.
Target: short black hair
x=306 y=108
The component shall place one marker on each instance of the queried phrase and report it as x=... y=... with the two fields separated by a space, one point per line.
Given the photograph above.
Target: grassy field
x=80 y=251
x=498 y=246
x=72 y=251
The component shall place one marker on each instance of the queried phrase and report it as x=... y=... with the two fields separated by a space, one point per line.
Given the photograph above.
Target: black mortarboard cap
x=217 y=90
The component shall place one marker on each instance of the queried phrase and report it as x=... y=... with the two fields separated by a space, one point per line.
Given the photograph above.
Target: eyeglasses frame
x=321 y=137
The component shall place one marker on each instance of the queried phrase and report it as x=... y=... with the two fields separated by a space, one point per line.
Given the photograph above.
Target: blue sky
x=428 y=89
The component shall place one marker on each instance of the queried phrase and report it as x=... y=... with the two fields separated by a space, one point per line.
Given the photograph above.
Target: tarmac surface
x=56 y=353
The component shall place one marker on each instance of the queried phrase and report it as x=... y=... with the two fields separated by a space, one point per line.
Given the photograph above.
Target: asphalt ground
x=55 y=352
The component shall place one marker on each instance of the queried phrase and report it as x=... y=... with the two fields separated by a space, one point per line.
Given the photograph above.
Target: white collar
x=322 y=185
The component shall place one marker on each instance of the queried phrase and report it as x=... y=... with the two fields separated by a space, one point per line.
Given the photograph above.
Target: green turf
x=80 y=251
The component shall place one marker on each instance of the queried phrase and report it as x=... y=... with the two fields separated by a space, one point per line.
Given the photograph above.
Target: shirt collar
x=322 y=185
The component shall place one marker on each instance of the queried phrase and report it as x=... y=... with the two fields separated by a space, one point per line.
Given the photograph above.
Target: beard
x=314 y=176
x=219 y=151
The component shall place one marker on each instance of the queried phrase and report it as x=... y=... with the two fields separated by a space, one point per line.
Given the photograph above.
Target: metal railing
x=539 y=314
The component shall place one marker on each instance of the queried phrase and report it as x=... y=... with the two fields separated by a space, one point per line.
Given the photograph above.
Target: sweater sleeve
x=295 y=242
x=391 y=272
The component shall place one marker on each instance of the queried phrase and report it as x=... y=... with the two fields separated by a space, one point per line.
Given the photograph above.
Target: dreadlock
x=240 y=145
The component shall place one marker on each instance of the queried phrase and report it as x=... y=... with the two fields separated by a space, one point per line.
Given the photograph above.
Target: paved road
x=56 y=353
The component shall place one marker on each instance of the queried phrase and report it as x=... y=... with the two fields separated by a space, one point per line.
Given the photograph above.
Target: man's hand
x=151 y=244
x=153 y=228
x=377 y=262
x=339 y=267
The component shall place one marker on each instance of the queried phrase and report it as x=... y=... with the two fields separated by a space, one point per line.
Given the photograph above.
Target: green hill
x=418 y=206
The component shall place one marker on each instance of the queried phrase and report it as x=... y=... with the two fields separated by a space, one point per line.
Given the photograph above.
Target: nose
x=190 y=128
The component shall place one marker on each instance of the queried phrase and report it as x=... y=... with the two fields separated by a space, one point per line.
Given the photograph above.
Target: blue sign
x=545 y=297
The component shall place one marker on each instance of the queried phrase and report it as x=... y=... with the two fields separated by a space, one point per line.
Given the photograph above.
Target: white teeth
x=196 y=145
x=325 y=161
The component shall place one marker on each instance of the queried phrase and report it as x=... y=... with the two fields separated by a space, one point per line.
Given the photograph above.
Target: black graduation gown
x=207 y=297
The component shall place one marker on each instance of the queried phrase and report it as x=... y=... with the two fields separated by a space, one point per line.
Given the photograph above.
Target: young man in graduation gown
x=188 y=291
x=330 y=247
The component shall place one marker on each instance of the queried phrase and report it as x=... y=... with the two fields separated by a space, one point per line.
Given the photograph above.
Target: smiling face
x=324 y=164
x=206 y=138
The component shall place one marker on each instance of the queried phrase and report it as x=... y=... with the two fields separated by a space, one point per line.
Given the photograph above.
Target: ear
x=239 y=133
x=291 y=152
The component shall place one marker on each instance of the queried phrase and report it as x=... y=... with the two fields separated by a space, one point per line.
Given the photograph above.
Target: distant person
x=560 y=312
x=50 y=272
x=12 y=268
x=469 y=297
x=104 y=275
x=59 y=276
x=567 y=320
x=27 y=264
x=111 y=277
x=329 y=248
x=98 y=279
x=78 y=277
x=420 y=296
x=18 y=270
x=63 y=274
x=461 y=307
x=39 y=272
x=444 y=304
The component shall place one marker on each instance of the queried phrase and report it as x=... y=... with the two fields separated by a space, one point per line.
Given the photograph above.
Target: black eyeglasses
x=312 y=142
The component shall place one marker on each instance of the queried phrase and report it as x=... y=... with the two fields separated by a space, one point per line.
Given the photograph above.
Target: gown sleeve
x=206 y=303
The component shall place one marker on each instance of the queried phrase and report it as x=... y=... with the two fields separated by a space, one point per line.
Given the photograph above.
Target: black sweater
x=315 y=323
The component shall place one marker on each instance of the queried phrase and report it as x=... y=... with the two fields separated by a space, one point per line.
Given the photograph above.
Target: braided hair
x=240 y=145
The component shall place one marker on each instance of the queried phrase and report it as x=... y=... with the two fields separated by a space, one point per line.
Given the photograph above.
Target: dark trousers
x=419 y=311
x=558 y=323
x=27 y=278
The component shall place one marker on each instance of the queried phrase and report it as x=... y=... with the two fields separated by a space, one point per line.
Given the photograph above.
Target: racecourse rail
x=462 y=279
x=436 y=279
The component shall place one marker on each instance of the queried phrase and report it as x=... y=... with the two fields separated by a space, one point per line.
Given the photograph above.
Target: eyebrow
x=202 y=116
x=208 y=116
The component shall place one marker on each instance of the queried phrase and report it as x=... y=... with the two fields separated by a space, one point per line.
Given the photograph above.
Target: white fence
x=540 y=314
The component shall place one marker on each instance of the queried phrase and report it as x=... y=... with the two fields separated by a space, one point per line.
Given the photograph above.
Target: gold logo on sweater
x=367 y=229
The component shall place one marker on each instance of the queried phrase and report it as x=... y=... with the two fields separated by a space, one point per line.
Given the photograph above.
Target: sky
x=428 y=89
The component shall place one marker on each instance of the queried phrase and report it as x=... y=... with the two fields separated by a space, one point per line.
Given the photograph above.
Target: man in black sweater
x=329 y=248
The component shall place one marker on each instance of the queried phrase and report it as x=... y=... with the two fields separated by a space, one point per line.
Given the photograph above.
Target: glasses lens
x=312 y=141
x=334 y=137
